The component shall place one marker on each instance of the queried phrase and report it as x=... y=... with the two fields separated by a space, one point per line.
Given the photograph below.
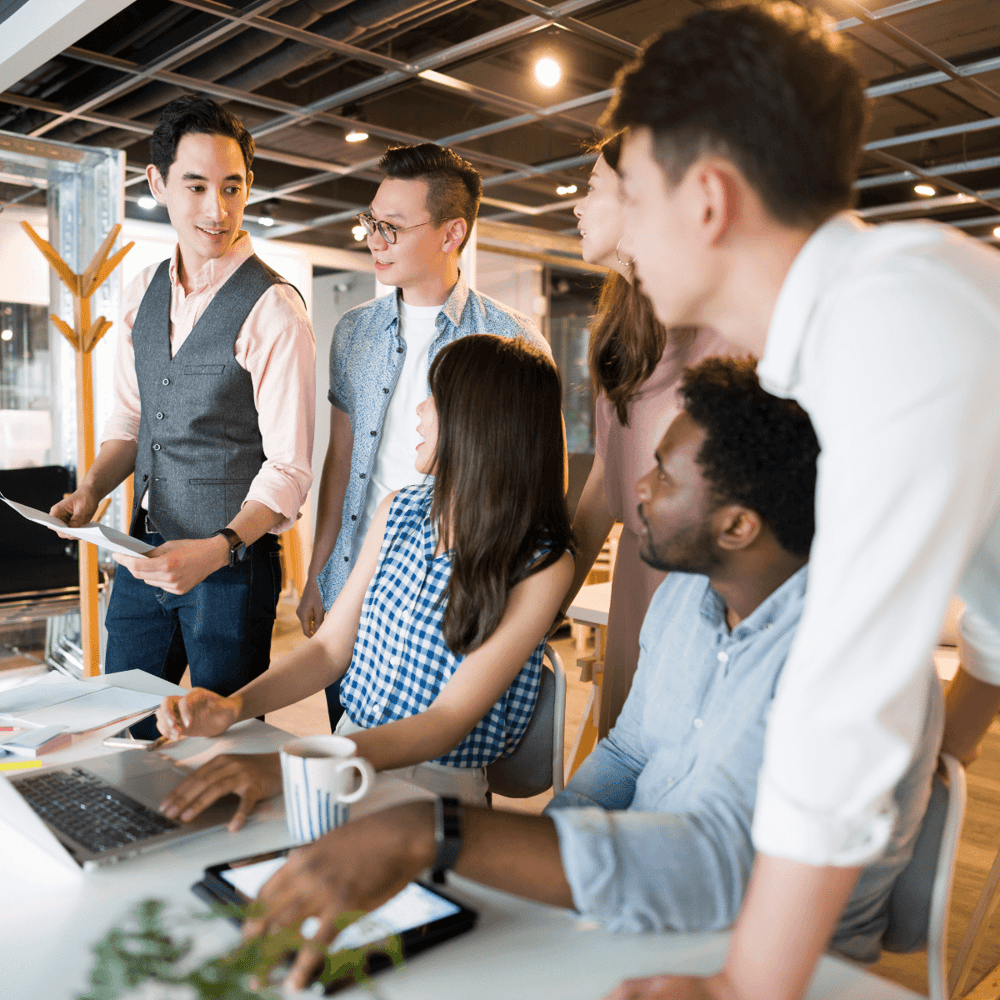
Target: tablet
x=422 y=916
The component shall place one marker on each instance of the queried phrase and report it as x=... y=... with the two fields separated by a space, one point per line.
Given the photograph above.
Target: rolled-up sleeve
x=277 y=348
x=899 y=376
x=979 y=647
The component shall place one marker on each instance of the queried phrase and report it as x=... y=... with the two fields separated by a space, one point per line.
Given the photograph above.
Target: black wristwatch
x=447 y=836
x=237 y=550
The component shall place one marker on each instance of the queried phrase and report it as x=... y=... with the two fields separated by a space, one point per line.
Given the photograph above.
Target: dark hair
x=201 y=115
x=454 y=187
x=626 y=339
x=769 y=87
x=498 y=490
x=760 y=451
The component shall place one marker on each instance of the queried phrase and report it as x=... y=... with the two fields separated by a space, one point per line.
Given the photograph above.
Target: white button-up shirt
x=890 y=338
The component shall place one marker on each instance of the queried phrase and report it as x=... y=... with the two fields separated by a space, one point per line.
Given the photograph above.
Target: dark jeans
x=333 y=706
x=221 y=628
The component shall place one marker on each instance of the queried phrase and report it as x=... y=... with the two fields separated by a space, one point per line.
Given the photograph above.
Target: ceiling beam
x=41 y=29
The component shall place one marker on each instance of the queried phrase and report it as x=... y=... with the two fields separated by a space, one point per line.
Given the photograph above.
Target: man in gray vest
x=214 y=409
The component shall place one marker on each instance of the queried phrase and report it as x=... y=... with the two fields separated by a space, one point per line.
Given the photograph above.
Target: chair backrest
x=918 y=906
x=536 y=763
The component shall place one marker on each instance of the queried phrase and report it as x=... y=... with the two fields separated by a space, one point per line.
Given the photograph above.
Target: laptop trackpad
x=150 y=778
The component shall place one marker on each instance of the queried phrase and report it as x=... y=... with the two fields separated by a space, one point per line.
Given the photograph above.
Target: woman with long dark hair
x=636 y=364
x=439 y=631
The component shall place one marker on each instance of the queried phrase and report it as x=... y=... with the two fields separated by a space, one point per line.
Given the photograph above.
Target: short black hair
x=454 y=187
x=768 y=86
x=759 y=451
x=191 y=113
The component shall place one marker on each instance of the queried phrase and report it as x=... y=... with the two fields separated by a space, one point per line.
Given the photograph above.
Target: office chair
x=918 y=906
x=536 y=763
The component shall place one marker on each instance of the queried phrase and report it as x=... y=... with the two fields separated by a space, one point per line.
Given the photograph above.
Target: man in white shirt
x=419 y=222
x=744 y=130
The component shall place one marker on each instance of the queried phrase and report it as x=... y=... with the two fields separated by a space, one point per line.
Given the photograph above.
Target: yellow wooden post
x=84 y=336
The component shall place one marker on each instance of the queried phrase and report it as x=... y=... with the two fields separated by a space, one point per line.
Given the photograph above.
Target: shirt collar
x=816 y=267
x=773 y=607
x=216 y=272
x=453 y=308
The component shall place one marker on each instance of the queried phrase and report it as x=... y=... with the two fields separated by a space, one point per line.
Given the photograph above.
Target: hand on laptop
x=358 y=866
x=198 y=713
x=250 y=776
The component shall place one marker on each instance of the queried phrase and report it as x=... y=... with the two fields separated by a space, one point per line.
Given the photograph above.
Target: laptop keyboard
x=89 y=811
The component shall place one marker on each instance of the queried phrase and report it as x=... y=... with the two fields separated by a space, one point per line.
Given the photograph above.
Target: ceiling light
x=265 y=220
x=147 y=203
x=7 y=335
x=996 y=233
x=356 y=135
x=566 y=189
x=548 y=72
x=925 y=190
x=358 y=232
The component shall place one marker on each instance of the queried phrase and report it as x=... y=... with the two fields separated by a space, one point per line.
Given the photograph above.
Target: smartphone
x=422 y=916
x=125 y=741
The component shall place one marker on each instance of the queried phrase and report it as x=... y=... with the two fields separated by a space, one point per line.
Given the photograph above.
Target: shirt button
x=374 y=433
x=159 y=416
x=698 y=723
x=723 y=657
x=156 y=447
x=347 y=558
x=166 y=381
x=361 y=475
x=399 y=350
x=354 y=517
x=385 y=390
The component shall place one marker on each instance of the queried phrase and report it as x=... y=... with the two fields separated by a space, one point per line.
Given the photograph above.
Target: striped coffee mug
x=318 y=775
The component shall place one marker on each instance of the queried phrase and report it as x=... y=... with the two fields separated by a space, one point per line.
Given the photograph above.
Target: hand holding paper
x=97 y=534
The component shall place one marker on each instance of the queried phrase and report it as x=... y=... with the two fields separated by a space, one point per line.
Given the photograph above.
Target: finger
x=206 y=779
x=312 y=954
x=248 y=800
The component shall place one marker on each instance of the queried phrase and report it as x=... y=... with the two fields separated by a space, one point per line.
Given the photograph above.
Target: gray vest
x=199 y=444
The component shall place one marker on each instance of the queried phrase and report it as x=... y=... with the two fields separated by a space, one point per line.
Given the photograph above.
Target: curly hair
x=759 y=451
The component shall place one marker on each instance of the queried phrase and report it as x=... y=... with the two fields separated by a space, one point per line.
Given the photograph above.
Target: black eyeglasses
x=387 y=230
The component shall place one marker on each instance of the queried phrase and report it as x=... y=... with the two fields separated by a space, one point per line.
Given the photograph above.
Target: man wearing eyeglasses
x=418 y=223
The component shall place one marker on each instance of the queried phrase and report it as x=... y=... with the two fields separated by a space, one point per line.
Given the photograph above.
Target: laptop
x=101 y=810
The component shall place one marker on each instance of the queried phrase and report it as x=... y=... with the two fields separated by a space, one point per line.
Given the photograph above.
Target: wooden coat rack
x=84 y=336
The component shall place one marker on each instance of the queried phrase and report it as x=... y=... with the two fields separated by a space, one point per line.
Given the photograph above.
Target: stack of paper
x=74 y=706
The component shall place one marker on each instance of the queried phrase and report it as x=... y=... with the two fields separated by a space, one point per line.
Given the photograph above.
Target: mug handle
x=365 y=772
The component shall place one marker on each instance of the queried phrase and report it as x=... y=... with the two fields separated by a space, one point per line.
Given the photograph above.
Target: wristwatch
x=237 y=550
x=447 y=836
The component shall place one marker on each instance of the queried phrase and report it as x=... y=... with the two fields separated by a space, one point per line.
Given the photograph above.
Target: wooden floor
x=979 y=843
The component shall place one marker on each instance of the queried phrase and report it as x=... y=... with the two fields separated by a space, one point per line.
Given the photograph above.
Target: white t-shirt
x=397 y=448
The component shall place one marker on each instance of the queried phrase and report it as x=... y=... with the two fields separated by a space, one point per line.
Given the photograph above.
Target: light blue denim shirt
x=654 y=828
x=366 y=357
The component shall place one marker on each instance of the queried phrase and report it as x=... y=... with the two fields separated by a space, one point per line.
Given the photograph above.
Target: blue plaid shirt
x=366 y=357
x=401 y=661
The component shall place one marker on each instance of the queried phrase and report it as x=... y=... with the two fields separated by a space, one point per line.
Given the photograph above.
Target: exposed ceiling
x=302 y=73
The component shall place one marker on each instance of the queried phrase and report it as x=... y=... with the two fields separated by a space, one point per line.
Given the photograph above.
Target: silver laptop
x=98 y=811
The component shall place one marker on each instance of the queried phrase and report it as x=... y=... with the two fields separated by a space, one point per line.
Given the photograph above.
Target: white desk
x=50 y=917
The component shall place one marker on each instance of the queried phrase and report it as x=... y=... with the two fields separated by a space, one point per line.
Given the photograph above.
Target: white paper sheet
x=76 y=706
x=97 y=534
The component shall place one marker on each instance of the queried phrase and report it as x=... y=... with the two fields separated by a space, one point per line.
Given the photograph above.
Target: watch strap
x=448 y=814
x=237 y=549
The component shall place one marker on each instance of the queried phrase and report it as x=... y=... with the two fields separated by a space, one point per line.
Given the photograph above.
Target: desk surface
x=591 y=604
x=51 y=916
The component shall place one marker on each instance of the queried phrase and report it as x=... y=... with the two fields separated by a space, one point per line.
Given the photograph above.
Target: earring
x=624 y=263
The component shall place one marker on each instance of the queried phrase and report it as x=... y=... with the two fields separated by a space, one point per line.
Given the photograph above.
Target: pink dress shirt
x=275 y=345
